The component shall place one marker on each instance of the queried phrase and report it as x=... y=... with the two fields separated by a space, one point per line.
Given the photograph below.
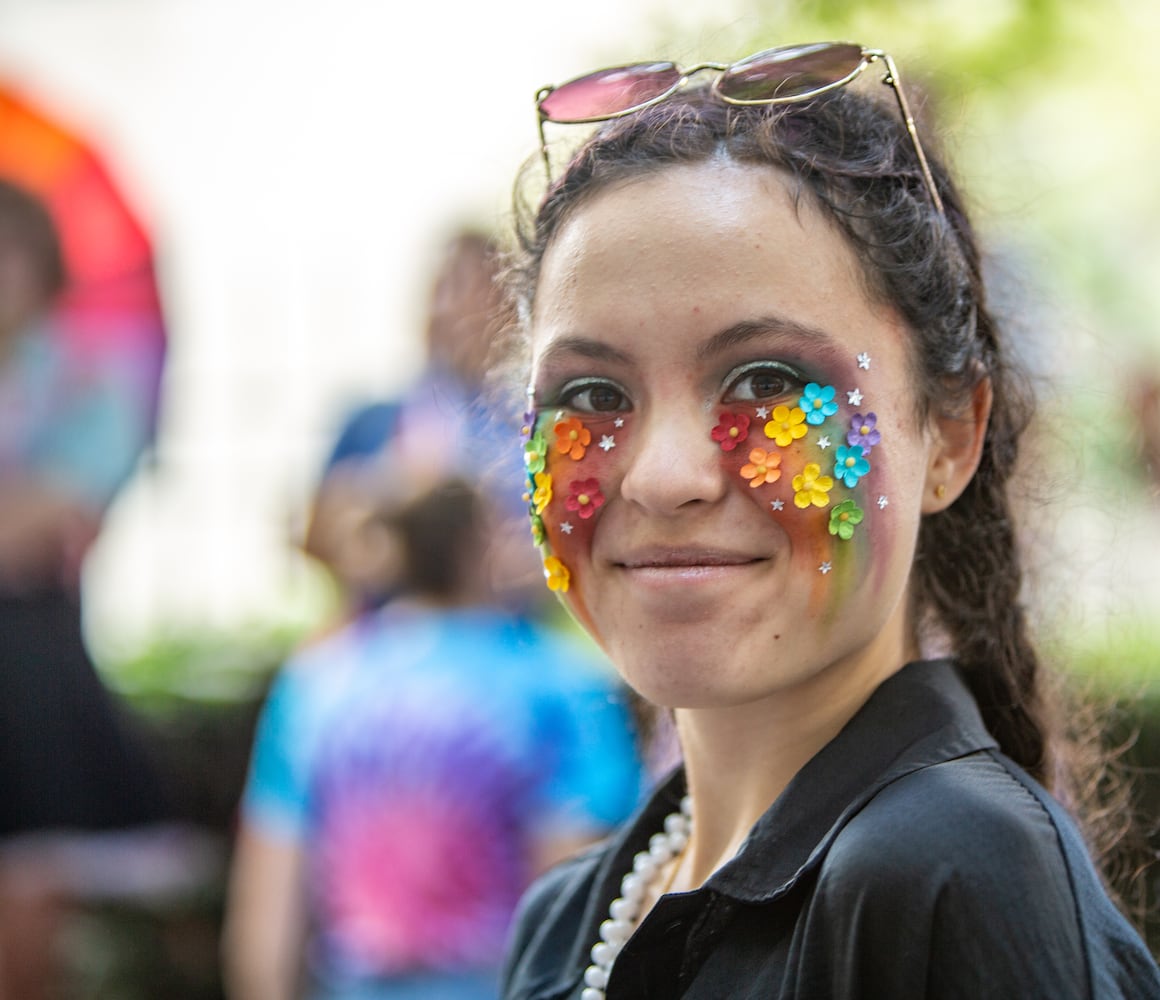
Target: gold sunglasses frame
x=867 y=58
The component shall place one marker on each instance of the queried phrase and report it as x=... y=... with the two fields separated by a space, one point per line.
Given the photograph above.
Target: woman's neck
x=739 y=759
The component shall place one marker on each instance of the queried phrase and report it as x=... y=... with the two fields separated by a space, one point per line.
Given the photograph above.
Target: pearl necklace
x=625 y=909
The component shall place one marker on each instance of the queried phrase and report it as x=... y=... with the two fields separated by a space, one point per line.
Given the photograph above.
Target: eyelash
x=791 y=381
x=570 y=393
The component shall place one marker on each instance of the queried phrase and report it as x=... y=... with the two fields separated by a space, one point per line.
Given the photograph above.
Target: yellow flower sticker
x=543 y=494
x=557 y=575
x=811 y=487
x=786 y=425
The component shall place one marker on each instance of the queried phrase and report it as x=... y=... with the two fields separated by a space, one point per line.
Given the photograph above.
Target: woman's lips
x=685 y=556
x=684 y=563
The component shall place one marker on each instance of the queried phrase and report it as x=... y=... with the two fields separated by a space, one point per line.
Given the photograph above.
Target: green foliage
x=177 y=670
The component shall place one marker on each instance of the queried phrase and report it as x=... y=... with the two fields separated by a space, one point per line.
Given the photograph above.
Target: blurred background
x=297 y=166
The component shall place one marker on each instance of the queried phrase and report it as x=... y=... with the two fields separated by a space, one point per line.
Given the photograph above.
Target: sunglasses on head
x=776 y=76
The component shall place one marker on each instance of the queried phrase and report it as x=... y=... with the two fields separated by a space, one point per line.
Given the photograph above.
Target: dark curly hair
x=851 y=155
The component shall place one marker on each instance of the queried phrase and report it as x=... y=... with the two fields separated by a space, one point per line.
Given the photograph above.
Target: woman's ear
x=956 y=445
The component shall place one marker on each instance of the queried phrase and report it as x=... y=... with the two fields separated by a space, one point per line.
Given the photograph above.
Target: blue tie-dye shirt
x=417 y=755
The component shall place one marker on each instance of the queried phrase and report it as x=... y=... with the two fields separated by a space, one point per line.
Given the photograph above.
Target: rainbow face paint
x=809 y=462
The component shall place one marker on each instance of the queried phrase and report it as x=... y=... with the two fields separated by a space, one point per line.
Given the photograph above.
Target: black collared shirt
x=908 y=859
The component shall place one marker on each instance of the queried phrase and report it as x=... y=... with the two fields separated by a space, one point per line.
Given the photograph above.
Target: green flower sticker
x=535 y=453
x=844 y=518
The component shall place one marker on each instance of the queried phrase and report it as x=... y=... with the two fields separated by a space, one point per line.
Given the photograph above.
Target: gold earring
x=940 y=491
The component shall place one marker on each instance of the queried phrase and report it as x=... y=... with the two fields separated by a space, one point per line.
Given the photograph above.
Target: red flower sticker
x=731 y=430
x=585 y=497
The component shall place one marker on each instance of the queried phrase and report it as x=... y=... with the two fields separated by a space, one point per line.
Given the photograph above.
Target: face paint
x=569 y=460
x=810 y=463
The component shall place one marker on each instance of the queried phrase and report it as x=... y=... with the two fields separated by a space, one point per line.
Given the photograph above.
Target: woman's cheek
x=820 y=480
x=572 y=466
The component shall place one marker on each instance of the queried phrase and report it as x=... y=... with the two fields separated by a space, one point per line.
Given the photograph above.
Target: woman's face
x=724 y=465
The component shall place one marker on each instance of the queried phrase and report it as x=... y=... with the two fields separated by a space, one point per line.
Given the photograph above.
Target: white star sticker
x=607 y=442
x=618 y=422
x=777 y=504
x=825 y=568
x=566 y=527
x=855 y=397
x=762 y=412
x=824 y=442
x=882 y=502
x=863 y=360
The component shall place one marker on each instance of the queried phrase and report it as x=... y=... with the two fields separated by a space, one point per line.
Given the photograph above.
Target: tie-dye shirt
x=416 y=756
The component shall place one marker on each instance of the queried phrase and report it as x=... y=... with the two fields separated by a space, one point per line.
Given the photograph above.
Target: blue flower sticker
x=850 y=465
x=818 y=403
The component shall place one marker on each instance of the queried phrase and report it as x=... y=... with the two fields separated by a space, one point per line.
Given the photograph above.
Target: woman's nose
x=673 y=461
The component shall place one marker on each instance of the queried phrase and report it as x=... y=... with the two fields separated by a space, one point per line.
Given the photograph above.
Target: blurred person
x=412 y=773
x=71 y=766
x=414 y=768
x=342 y=532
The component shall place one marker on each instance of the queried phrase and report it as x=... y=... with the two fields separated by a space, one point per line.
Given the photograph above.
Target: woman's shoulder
x=975 y=859
x=959 y=808
x=546 y=923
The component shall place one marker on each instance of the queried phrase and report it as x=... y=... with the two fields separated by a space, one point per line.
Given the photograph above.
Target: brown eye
x=604 y=397
x=595 y=397
x=763 y=381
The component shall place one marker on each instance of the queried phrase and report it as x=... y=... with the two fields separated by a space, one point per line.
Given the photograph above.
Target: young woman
x=771 y=431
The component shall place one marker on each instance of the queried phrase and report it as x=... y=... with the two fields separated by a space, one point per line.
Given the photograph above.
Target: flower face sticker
x=731 y=430
x=557 y=575
x=572 y=438
x=818 y=403
x=585 y=497
x=863 y=433
x=811 y=487
x=763 y=467
x=844 y=518
x=535 y=453
x=850 y=465
x=543 y=493
x=786 y=426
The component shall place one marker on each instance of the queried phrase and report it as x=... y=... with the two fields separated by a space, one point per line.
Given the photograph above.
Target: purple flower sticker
x=863 y=432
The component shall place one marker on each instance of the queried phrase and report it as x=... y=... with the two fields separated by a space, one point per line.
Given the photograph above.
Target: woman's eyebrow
x=751 y=329
x=584 y=347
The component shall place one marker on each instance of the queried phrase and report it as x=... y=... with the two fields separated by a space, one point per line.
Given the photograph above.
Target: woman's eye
x=762 y=382
x=594 y=397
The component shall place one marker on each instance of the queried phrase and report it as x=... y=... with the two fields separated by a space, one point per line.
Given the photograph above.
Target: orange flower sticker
x=572 y=438
x=763 y=467
x=786 y=426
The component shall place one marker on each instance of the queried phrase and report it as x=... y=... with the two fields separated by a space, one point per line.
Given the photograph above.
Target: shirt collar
x=922 y=715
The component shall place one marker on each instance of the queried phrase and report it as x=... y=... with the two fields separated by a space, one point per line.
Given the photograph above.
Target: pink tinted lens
x=790 y=72
x=609 y=92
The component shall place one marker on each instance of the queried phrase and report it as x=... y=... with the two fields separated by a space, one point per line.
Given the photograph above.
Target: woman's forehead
x=698 y=248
